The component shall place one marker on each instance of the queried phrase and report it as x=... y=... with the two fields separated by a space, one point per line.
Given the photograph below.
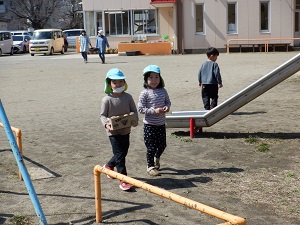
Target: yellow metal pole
x=19 y=143
x=234 y=220
x=18 y=133
x=97 y=170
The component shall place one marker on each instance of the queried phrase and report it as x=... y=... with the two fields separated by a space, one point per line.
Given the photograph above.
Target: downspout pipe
x=179 y=26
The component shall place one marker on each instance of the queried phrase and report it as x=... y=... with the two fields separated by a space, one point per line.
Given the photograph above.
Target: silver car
x=21 y=43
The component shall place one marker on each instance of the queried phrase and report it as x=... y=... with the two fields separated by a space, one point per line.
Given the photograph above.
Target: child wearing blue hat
x=117 y=102
x=154 y=103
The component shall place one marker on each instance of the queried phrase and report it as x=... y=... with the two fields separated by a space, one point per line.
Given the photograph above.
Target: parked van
x=21 y=32
x=71 y=36
x=47 y=42
x=6 y=43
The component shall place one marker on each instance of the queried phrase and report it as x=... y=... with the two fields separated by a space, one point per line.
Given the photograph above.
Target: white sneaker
x=153 y=172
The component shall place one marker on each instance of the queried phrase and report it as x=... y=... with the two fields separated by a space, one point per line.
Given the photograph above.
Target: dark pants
x=155 y=141
x=210 y=92
x=102 y=56
x=120 y=146
x=84 y=55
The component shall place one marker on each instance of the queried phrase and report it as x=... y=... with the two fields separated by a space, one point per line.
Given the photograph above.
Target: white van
x=47 y=42
x=71 y=36
x=21 y=32
x=6 y=43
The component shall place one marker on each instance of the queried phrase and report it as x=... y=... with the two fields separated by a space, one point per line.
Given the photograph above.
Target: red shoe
x=125 y=186
x=109 y=168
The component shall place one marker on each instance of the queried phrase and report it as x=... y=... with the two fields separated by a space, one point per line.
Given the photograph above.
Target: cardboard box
x=123 y=121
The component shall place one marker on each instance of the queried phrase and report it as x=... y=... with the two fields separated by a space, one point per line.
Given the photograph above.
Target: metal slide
x=207 y=118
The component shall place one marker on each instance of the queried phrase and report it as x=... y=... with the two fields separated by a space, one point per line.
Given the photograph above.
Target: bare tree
x=36 y=13
x=73 y=16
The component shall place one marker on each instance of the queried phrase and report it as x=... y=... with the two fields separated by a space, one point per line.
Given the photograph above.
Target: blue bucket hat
x=155 y=69
x=113 y=74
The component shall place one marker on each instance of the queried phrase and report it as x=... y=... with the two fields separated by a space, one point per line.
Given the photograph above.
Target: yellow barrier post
x=98 y=195
x=18 y=133
x=231 y=219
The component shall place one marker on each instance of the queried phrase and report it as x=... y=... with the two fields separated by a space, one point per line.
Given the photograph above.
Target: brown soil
x=55 y=101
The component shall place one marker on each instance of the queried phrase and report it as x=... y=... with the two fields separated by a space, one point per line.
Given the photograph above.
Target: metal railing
x=263 y=41
x=231 y=219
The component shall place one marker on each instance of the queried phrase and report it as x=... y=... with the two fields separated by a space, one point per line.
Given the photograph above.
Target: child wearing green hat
x=117 y=102
x=154 y=103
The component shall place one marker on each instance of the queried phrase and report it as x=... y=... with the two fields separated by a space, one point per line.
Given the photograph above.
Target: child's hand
x=220 y=85
x=158 y=110
x=162 y=110
x=108 y=126
x=134 y=123
x=166 y=109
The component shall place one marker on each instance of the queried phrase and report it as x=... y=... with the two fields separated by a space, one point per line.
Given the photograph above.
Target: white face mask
x=119 y=90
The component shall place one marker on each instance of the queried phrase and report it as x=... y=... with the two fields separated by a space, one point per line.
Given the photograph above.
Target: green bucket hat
x=155 y=69
x=113 y=74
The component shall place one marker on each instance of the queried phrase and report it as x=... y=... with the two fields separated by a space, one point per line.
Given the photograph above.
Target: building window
x=2 y=7
x=134 y=22
x=231 y=13
x=199 y=19
x=144 y=22
x=119 y=22
x=264 y=16
x=89 y=22
x=128 y=22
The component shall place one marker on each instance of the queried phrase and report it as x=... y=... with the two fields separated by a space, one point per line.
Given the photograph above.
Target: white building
x=193 y=25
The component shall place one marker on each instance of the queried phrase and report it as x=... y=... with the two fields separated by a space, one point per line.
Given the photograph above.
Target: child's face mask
x=119 y=90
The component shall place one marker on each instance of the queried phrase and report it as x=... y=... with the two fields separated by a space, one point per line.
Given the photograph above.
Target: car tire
x=11 y=51
x=24 y=49
x=32 y=54
x=62 y=50
x=0 y=52
x=51 y=51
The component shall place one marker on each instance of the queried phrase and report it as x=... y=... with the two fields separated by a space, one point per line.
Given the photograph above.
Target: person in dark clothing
x=210 y=80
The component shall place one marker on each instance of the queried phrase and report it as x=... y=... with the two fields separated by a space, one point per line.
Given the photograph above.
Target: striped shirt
x=149 y=100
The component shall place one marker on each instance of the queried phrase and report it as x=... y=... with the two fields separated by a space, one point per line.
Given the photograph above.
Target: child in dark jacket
x=209 y=78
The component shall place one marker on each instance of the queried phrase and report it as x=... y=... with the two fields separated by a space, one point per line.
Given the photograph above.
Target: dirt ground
x=55 y=101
